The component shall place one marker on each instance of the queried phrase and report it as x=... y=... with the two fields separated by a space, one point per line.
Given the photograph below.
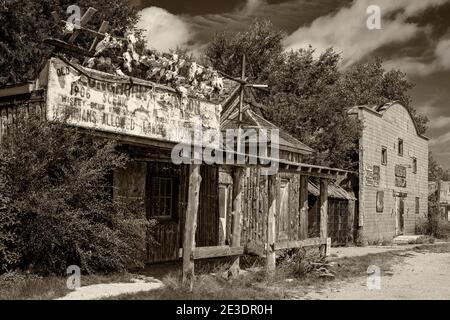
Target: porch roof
x=334 y=191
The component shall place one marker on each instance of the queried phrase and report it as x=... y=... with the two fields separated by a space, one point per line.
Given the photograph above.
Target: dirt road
x=421 y=276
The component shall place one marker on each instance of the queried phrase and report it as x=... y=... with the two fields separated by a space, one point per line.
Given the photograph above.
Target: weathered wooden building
x=441 y=191
x=393 y=172
x=203 y=210
x=298 y=208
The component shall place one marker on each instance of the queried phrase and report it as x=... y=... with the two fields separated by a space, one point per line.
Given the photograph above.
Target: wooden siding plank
x=190 y=226
x=238 y=192
x=271 y=225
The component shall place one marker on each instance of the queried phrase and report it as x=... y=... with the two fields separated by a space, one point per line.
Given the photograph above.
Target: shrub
x=303 y=262
x=57 y=204
x=433 y=225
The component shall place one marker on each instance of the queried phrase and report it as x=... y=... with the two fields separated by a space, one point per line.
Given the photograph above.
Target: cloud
x=251 y=6
x=441 y=122
x=440 y=61
x=441 y=140
x=163 y=30
x=346 y=30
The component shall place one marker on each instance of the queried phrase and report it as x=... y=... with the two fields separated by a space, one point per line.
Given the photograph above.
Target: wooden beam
x=303 y=230
x=271 y=228
x=84 y=20
x=313 y=242
x=190 y=227
x=238 y=190
x=217 y=252
x=103 y=28
x=323 y=205
x=68 y=47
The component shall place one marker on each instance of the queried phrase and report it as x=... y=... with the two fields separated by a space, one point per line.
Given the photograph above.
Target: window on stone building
x=400 y=147
x=384 y=156
x=417 y=208
x=414 y=165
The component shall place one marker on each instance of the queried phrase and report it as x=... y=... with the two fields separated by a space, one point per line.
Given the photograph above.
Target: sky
x=414 y=37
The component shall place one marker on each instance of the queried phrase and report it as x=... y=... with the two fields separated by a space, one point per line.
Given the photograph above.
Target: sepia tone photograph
x=247 y=152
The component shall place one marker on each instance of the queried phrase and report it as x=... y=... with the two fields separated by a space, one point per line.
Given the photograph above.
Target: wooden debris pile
x=129 y=57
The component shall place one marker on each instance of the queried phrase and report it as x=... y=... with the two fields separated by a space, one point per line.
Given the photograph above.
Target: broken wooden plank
x=68 y=47
x=217 y=252
x=103 y=28
x=84 y=20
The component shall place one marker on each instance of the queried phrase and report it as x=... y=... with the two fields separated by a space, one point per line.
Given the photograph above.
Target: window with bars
x=163 y=197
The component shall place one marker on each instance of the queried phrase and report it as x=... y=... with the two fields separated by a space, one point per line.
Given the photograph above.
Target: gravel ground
x=423 y=276
x=101 y=291
x=348 y=252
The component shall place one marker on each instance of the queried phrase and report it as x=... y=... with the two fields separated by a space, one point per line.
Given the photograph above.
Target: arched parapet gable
x=398 y=114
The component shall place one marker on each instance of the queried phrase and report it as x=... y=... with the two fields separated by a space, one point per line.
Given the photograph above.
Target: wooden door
x=208 y=219
x=338 y=221
x=399 y=215
x=165 y=203
x=283 y=212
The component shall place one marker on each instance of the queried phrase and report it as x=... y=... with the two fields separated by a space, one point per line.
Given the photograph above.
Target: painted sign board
x=108 y=103
x=400 y=176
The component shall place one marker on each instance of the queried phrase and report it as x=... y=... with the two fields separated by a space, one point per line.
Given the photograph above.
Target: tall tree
x=435 y=170
x=25 y=24
x=261 y=43
x=368 y=83
x=309 y=95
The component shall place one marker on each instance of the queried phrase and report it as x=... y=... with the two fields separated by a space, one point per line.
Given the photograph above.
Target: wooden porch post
x=324 y=210
x=303 y=207
x=190 y=226
x=238 y=190
x=271 y=226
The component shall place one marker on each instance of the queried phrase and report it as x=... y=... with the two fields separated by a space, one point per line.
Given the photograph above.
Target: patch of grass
x=290 y=281
x=16 y=286
x=436 y=248
x=211 y=287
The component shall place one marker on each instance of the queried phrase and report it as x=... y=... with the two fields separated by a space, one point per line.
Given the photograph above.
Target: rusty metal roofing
x=334 y=191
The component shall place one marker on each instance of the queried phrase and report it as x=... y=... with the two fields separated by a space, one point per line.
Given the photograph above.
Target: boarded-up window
x=376 y=176
x=417 y=208
x=380 y=201
x=162 y=194
x=400 y=176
